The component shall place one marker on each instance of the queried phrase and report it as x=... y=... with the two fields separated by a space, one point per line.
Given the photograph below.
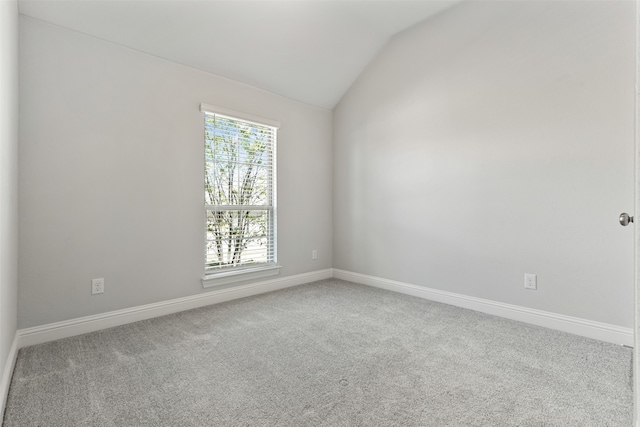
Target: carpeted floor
x=330 y=353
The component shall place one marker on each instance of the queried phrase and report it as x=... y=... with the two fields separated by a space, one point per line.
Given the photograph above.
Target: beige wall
x=8 y=181
x=111 y=178
x=492 y=141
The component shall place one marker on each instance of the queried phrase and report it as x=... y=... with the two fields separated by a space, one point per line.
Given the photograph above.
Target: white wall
x=111 y=175
x=8 y=180
x=492 y=141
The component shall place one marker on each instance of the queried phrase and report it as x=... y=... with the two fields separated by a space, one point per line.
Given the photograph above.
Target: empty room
x=318 y=213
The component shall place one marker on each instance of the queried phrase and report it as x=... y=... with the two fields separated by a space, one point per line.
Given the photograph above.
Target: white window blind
x=240 y=193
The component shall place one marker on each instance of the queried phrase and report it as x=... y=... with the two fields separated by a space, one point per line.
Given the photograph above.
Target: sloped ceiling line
x=307 y=50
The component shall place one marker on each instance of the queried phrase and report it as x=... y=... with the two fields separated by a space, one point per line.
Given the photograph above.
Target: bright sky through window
x=239 y=193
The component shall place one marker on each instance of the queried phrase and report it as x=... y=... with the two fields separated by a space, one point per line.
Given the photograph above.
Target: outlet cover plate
x=97 y=286
x=530 y=281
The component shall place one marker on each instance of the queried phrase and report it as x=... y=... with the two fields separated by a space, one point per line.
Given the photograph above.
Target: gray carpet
x=330 y=353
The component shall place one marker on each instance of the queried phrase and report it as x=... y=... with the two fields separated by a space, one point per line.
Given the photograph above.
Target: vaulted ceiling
x=308 y=50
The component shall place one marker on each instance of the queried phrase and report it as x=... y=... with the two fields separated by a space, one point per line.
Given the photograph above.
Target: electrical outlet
x=314 y=254
x=97 y=286
x=530 y=281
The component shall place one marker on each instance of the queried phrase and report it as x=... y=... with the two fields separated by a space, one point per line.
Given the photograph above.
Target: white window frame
x=243 y=273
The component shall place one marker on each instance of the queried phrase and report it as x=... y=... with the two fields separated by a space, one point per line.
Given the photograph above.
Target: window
x=240 y=196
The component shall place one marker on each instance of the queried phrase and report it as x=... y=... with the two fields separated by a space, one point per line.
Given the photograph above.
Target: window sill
x=226 y=277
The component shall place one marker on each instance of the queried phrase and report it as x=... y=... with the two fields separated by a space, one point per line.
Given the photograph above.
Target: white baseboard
x=53 y=331
x=7 y=373
x=574 y=325
x=83 y=325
